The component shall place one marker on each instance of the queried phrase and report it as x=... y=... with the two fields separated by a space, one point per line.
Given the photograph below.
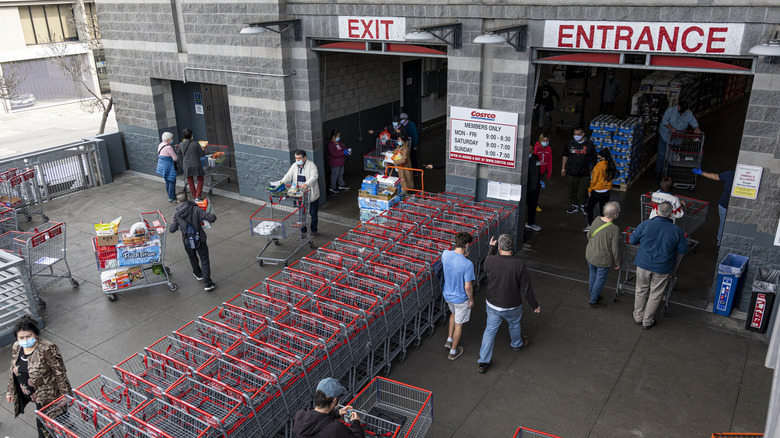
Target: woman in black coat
x=191 y=152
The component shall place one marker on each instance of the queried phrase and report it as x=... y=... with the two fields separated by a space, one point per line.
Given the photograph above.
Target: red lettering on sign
x=711 y=38
x=758 y=311
x=684 y=39
x=671 y=42
x=366 y=28
x=586 y=38
x=645 y=39
x=387 y=24
x=353 y=28
x=623 y=33
x=562 y=35
x=604 y=31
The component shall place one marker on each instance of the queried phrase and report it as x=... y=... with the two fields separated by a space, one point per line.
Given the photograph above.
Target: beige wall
x=11 y=35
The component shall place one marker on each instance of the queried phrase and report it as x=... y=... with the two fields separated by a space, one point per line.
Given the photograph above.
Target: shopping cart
x=44 y=253
x=384 y=231
x=429 y=243
x=19 y=190
x=283 y=216
x=507 y=214
x=67 y=417
x=422 y=276
x=216 y=159
x=184 y=356
x=319 y=268
x=157 y=418
x=8 y=220
x=208 y=337
x=395 y=223
x=133 y=265
x=310 y=351
x=343 y=260
x=302 y=280
x=147 y=375
x=430 y=201
x=694 y=213
x=404 y=215
x=374 y=161
x=684 y=151
x=240 y=321
x=456 y=197
x=422 y=210
x=376 y=242
x=431 y=258
x=108 y=396
x=263 y=305
x=355 y=249
x=282 y=292
x=626 y=282
x=412 y=407
x=524 y=432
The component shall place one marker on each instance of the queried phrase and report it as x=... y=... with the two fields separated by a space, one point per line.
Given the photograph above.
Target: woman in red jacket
x=543 y=150
x=336 y=153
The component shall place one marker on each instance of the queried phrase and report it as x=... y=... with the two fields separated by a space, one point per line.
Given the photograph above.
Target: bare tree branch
x=11 y=80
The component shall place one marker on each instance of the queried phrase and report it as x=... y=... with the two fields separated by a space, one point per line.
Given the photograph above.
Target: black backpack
x=191 y=237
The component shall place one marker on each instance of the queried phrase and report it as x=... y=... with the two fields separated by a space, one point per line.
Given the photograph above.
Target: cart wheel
x=285 y=263
x=417 y=343
x=74 y=282
x=442 y=320
x=615 y=298
x=41 y=303
x=387 y=370
x=173 y=286
x=311 y=245
x=29 y=218
x=112 y=297
x=431 y=329
x=666 y=310
x=44 y=217
x=276 y=242
x=402 y=356
x=260 y=262
x=168 y=270
x=227 y=179
x=211 y=192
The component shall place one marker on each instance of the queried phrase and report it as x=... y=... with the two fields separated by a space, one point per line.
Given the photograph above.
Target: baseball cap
x=404 y=116
x=331 y=387
x=396 y=119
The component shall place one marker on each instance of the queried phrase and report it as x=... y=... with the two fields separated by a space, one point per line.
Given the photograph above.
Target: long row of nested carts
x=345 y=310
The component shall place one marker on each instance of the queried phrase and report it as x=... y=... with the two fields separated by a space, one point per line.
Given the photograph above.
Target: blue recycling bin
x=730 y=273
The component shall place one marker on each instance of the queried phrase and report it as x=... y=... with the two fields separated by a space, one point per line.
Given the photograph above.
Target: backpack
x=191 y=237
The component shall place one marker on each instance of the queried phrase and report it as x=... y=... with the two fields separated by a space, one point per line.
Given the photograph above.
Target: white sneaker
x=534 y=227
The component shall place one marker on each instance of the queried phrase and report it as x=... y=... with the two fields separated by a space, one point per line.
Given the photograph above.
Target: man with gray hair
x=602 y=252
x=507 y=283
x=660 y=241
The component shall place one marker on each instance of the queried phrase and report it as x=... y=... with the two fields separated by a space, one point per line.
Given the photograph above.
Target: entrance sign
x=483 y=136
x=372 y=28
x=627 y=36
x=746 y=181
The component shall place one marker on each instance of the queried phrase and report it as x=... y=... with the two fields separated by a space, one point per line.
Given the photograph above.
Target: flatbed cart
x=132 y=266
x=20 y=191
x=284 y=216
x=409 y=406
x=684 y=152
x=43 y=250
x=217 y=157
x=626 y=282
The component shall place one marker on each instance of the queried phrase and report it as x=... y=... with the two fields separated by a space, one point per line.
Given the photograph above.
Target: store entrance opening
x=620 y=108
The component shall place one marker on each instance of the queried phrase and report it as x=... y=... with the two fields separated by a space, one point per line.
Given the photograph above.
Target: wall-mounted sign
x=627 y=36
x=483 y=136
x=198 y=109
x=198 y=99
x=777 y=234
x=372 y=28
x=746 y=181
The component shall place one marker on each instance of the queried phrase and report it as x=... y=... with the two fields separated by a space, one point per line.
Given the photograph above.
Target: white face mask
x=338 y=138
x=578 y=138
x=299 y=162
x=545 y=143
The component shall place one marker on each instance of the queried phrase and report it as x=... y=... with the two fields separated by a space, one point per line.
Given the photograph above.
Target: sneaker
x=457 y=354
x=538 y=209
x=210 y=286
x=315 y=234
x=644 y=327
x=196 y=276
x=526 y=341
x=638 y=322
x=343 y=188
x=448 y=345
x=534 y=227
x=171 y=199
x=482 y=367
x=198 y=199
x=572 y=209
x=582 y=209
x=333 y=191
x=596 y=305
x=586 y=229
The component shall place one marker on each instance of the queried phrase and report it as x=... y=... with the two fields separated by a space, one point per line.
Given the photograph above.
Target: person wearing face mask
x=610 y=89
x=600 y=184
x=401 y=155
x=533 y=187
x=543 y=103
x=578 y=157
x=543 y=150
x=414 y=139
x=336 y=153
x=675 y=119
x=394 y=129
x=37 y=371
x=304 y=175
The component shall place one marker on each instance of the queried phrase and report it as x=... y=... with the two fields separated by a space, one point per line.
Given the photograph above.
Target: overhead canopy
x=647 y=61
x=379 y=48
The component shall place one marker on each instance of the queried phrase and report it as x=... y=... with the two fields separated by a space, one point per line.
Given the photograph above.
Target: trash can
x=762 y=299
x=730 y=272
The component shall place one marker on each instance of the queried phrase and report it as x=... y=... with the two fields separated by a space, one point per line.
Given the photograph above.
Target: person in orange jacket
x=601 y=178
x=543 y=150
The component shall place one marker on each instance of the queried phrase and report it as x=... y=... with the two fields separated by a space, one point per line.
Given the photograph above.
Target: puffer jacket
x=47 y=374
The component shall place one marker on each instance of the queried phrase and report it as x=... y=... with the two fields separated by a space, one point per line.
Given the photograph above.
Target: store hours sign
x=483 y=136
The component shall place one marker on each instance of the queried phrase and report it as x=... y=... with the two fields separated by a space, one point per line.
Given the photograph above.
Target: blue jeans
x=659 y=161
x=596 y=280
x=170 y=187
x=722 y=214
x=494 y=318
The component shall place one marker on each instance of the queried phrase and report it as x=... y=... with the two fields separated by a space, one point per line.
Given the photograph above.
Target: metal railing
x=62 y=170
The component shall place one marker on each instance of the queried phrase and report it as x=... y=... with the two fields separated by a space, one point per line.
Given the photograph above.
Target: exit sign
x=372 y=28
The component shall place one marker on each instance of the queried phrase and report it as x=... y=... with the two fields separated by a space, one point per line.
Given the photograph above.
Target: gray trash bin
x=762 y=299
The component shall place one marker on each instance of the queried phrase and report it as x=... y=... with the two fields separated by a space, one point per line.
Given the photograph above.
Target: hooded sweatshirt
x=189 y=213
x=312 y=424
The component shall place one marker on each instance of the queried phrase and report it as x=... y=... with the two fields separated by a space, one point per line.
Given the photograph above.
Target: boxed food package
x=10 y=202
x=383 y=194
x=372 y=203
x=110 y=240
x=367 y=214
x=115 y=279
x=369 y=185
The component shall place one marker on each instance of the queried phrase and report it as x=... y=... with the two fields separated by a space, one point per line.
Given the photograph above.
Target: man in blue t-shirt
x=458 y=290
x=723 y=203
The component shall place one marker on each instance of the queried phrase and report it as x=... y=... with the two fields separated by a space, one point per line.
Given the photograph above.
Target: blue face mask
x=338 y=138
x=400 y=142
x=545 y=143
x=395 y=124
x=578 y=138
x=299 y=162
x=27 y=343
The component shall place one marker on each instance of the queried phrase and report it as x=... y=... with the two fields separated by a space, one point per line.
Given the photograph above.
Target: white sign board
x=777 y=234
x=198 y=109
x=504 y=191
x=627 y=36
x=372 y=28
x=746 y=181
x=482 y=136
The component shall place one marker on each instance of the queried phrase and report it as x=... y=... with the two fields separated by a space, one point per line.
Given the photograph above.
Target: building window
x=47 y=23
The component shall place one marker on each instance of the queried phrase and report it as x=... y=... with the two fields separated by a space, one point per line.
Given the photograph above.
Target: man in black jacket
x=579 y=155
x=188 y=213
x=507 y=283
x=533 y=187
x=544 y=104
x=323 y=420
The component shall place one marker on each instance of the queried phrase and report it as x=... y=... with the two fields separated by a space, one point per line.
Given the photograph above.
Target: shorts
x=462 y=311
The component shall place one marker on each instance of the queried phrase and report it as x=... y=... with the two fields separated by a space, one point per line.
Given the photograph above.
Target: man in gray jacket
x=188 y=217
x=602 y=252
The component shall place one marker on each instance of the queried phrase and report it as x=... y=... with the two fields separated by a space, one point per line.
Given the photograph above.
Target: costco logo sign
x=680 y=38
x=483 y=116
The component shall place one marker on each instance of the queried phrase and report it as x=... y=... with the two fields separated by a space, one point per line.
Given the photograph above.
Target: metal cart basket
x=413 y=405
x=217 y=158
x=684 y=151
x=283 y=216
